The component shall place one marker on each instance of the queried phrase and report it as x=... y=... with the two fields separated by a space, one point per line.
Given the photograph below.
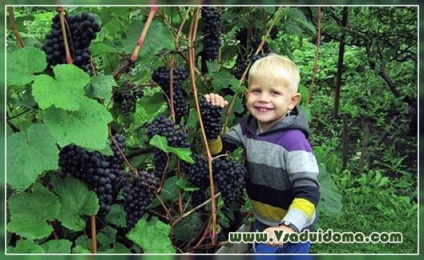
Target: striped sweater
x=282 y=170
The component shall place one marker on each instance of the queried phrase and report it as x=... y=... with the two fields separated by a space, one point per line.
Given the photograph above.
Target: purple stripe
x=291 y=139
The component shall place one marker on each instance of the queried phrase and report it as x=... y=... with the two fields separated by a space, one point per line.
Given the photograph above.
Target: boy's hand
x=271 y=233
x=216 y=100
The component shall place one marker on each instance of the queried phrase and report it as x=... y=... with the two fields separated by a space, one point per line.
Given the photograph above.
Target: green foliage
x=152 y=236
x=29 y=154
x=27 y=219
x=22 y=64
x=76 y=200
x=51 y=107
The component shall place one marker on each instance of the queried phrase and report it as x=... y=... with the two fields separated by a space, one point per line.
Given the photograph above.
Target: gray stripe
x=261 y=152
x=269 y=176
x=302 y=182
x=308 y=162
x=299 y=219
x=235 y=134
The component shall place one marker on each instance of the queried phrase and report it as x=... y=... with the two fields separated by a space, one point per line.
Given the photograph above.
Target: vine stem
x=192 y=38
x=14 y=28
x=65 y=38
x=314 y=70
x=93 y=234
x=176 y=40
x=146 y=27
x=132 y=168
x=243 y=77
x=194 y=209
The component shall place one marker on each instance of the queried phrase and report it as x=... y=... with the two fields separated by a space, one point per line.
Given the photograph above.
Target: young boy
x=282 y=170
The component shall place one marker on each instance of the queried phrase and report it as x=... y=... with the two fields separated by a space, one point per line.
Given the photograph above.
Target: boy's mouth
x=263 y=109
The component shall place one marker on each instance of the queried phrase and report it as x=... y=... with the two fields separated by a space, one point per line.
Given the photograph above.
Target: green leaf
x=29 y=154
x=87 y=127
x=193 y=120
x=23 y=63
x=331 y=199
x=160 y=142
x=168 y=193
x=25 y=246
x=184 y=184
x=182 y=153
x=30 y=211
x=213 y=66
x=101 y=87
x=149 y=106
x=107 y=236
x=224 y=78
x=97 y=48
x=76 y=200
x=116 y=216
x=118 y=248
x=188 y=227
x=82 y=245
x=152 y=236
x=61 y=246
x=158 y=37
x=304 y=92
x=66 y=91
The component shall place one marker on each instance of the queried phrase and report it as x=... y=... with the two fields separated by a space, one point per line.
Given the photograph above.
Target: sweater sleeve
x=302 y=169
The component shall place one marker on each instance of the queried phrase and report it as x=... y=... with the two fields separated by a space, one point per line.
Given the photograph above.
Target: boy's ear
x=246 y=93
x=295 y=100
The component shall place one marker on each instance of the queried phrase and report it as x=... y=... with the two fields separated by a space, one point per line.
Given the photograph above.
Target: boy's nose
x=263 y=98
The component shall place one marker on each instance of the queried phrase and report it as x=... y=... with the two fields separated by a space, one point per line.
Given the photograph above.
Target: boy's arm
x=303 y=171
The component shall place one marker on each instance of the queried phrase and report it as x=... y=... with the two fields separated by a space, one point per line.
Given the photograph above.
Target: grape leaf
x=182 y=153
x=116 y=215
x=107 y=236
x=161 y=143
x=65 y=91
x=29 y=212
x=29 y=154
x=148 y=107
x=168 y=192
x=61 y=246
x=223 y=78
x=76 y=200
x=23 y=63
x=157 y=38
x=86 y=127
x=152 y=236
x=25 y=246
x=188 y=227
x=101 y=87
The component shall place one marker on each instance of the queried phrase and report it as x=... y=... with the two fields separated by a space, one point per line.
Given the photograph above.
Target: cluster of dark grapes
x=211 y=117
x=249 y=40
x=127 y=97
x=162 y=77
x=211 y=33
x=96 y=170
x=229 y=178
x=176 y=138
x=138 y=192
x=81 y=30
x=241 y=65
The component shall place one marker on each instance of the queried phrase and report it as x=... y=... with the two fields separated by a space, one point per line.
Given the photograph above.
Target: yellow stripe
x=215 y=146
x=268 y=212
x=303 y=205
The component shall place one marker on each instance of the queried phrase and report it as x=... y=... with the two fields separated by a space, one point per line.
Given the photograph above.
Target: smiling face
x=272 y=91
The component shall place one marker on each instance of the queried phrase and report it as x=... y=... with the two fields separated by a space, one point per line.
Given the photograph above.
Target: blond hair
x=277 y=66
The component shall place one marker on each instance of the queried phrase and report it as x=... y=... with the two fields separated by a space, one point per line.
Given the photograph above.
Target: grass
x=368 y=208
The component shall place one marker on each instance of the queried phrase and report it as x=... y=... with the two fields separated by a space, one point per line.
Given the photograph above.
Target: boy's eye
x=275 y=93
x=255 y=91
